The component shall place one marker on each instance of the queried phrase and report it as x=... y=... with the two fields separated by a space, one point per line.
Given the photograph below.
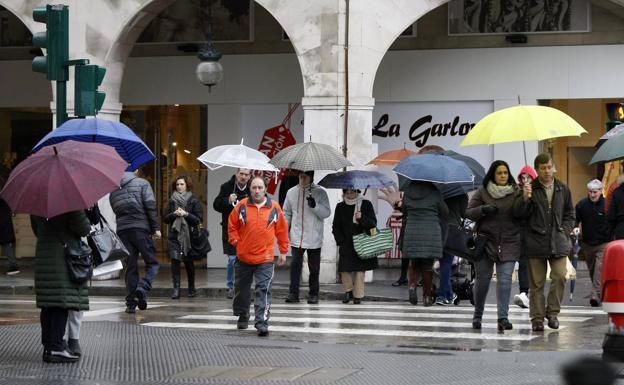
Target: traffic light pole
x=61 y=102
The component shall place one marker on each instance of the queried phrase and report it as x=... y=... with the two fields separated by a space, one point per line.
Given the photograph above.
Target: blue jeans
x=446 y=266
x=245 y=275
x=229 y=276
x=484 y=269
x=139 y=242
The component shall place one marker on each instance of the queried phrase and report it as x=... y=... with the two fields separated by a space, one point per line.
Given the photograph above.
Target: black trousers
x=53 y=322
x=314 y=264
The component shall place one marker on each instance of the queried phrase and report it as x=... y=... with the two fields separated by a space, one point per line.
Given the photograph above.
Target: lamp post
x=209 y=71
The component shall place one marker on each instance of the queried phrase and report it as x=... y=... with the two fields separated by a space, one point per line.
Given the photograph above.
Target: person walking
x=590 y=214
x=137 y=223
x=354 y=215
x=615 y=213
x=550 y=219
x=527 y=175
x=7 y=237
x=184 y=211
x=231 y=192
x=305 y=208
x=253 y=227
x=425 y=213
x=55 y=293
x=496 y=207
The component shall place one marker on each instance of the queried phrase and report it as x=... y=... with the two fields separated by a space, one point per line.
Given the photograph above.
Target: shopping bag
x=370 y=246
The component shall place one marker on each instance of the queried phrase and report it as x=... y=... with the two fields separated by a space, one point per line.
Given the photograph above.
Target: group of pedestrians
x=529 y=222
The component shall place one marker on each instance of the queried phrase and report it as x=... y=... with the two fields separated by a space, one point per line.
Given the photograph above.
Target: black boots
x=175 y=277
x=190 y=273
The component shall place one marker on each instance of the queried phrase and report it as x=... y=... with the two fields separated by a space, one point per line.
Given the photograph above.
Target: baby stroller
x=462 y=279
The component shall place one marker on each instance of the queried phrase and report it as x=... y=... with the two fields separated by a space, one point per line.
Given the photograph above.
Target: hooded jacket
x=306 y=223
x=134 y=205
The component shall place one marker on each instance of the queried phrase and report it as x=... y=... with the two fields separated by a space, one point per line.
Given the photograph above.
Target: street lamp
x=209 y=71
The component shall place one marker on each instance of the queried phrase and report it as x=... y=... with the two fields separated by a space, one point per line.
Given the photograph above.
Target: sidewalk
x=211 y=283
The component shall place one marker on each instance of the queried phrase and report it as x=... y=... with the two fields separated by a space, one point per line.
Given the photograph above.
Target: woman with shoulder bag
x=183 y=212
x=56 y=293
x=496 y=208
x=354 y=215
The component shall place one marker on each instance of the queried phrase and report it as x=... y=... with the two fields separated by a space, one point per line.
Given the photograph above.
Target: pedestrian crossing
x=394 y=320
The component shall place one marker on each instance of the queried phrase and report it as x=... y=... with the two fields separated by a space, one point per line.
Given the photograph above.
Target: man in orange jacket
x=253 y=226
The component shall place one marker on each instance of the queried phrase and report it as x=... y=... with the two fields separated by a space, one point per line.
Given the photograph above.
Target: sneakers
x=313 y=299
x=443 y=301
x=13 y=271
x=263 y=331
x=521 y=300
x=243 y=321
x=230 y=293
x=292 y=299
x=440 y=301
x=57 y=357
x=141 y=299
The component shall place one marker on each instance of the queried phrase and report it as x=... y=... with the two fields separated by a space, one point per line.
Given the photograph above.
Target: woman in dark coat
x=55 y=292
x=425 y=213
x=496 y=207
x=354 y=215
x=7 y=237
x=183 y=211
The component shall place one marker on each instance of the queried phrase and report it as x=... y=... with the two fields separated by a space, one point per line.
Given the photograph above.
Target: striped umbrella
x=310 y=156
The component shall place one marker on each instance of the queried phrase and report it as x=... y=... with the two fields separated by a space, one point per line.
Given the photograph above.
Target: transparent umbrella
x=236 y=155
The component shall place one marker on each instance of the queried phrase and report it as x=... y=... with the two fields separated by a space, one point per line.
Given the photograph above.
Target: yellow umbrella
x=521 y=123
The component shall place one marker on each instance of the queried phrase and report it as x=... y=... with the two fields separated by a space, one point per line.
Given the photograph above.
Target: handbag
x=465 y=242
x=200 y=245
x=79 y=260
x=106 y=245
x=370 y=246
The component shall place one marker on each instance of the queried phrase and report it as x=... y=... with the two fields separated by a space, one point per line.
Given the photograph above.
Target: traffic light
x=55 y=40
x=615 y=113
x=87 y=99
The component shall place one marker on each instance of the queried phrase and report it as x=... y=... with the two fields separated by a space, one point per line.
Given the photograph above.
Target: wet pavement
x=383 y=340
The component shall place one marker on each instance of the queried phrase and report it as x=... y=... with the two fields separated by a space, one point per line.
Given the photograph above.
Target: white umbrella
x=236 y=155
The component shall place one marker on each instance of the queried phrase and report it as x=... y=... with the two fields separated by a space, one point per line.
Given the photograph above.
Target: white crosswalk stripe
x=385 y=320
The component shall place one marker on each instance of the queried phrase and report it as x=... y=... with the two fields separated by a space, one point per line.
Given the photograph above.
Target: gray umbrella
x=310 y=156
x=612 y=149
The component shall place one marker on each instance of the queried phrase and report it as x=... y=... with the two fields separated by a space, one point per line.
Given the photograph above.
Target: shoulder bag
x=106 y=245
x=79 y=262
x=465 y=242
x=200 y=245
x=370 y=246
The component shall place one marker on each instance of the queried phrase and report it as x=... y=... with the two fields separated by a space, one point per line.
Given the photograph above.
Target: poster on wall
x=472 y=17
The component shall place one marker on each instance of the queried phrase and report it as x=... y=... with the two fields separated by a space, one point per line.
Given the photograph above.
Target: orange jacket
x=253 y=231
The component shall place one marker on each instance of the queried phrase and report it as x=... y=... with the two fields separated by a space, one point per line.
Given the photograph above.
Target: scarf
x=180 y=225
x=357 y=202
x=498 y=192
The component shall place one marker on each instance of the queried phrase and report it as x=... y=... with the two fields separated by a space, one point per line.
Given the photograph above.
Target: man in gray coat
x=137 y=223
x=305 y=208
x=550 y=220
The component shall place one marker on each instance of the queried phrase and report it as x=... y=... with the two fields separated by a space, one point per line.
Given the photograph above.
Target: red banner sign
x=273 y=141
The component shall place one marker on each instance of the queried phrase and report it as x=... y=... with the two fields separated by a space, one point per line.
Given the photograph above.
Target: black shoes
x=357 y=301
x=243 y=321
x=313 y=299
x=553 y=322
x=413 y=297
x=476 y=324
x=594 y=302
x=292 y=299
x=176 y=293
x=400 y=282
x=263 y=331
x=347 y=297
x=192 y=293
x=504 y=324
x=73 y=347
x=55 y=357
x=141 y=299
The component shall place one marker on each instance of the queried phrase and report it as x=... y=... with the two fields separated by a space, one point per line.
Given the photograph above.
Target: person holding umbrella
x=305 y=208
x=496 y=208
x=526 y=176
x=590 y=214
x=183 y=211
x=354 y=215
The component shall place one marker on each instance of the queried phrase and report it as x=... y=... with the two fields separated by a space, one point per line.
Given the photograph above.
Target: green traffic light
x=55 y=40
x=88 y=101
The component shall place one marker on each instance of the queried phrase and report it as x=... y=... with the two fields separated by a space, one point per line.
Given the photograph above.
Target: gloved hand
x=489 y=209
x=311 y=201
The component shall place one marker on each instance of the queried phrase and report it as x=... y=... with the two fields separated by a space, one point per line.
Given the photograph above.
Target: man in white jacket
x=305 y=209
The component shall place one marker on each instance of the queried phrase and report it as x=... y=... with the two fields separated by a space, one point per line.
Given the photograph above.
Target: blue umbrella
x=356 y=179
x=115 y=134
x=434 y=168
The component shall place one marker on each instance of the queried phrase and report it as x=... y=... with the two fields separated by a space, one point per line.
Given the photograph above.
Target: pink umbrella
x=63 y=177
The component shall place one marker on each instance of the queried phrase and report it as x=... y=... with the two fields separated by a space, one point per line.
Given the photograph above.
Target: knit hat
x=530 y=171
